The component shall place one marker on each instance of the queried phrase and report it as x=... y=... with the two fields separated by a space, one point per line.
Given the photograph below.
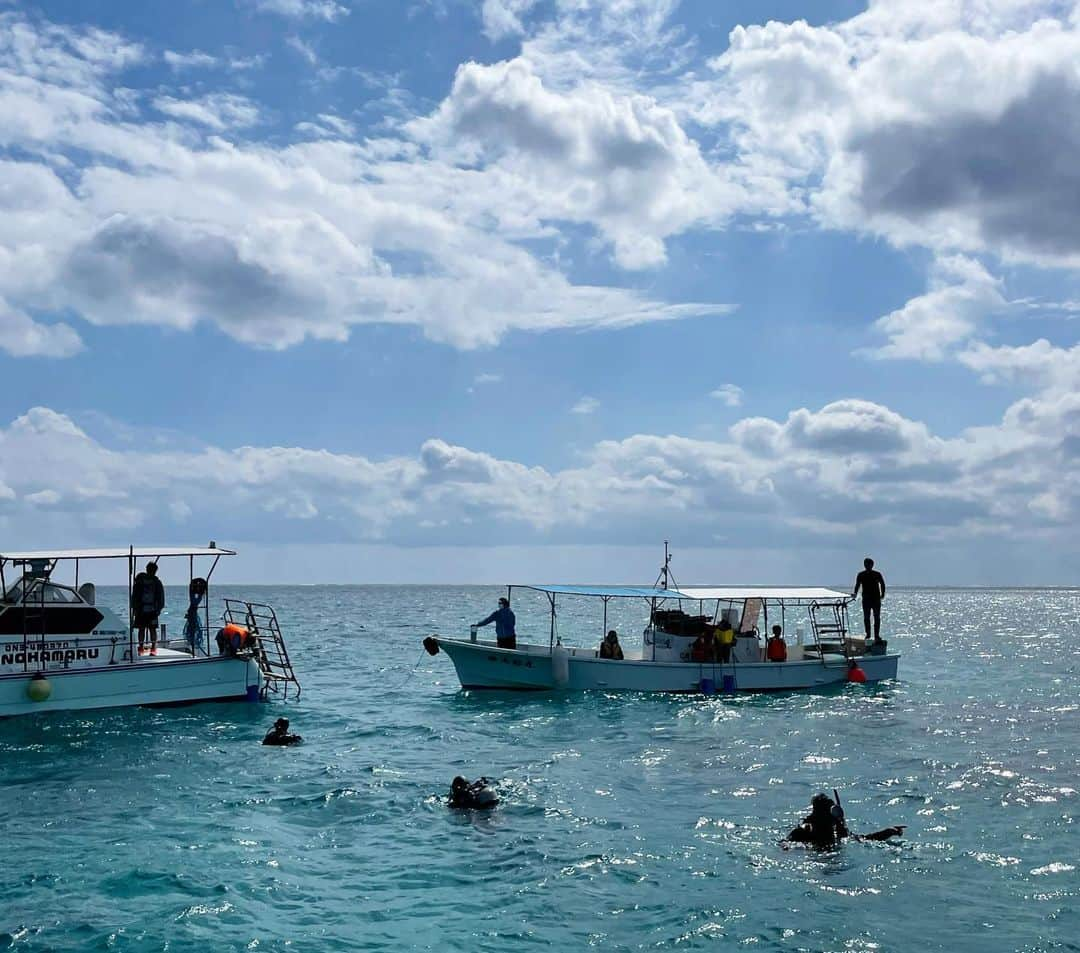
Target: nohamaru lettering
x=49 y=655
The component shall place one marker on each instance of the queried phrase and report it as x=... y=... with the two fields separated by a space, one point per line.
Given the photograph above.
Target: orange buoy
x=855 y=674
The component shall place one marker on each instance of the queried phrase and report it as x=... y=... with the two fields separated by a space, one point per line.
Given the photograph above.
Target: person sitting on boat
x=279 y=735
x=147 y=601
x=776 y=647
x=503 y=617
x=698 y=650
x=724 y=639
x=610 y=648
x=471 y=795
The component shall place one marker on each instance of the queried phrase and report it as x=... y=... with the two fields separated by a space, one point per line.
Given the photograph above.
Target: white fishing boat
x=60 y=649
x=674 y=655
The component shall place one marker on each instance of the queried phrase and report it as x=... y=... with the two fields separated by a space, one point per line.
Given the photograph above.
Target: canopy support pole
x=551 y=641
x=131 y=613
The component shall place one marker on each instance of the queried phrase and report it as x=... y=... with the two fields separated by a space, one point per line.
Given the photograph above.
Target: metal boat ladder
x=828 y=621
x=270 y=651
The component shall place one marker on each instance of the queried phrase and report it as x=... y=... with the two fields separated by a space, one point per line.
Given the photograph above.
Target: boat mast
x=666 y=578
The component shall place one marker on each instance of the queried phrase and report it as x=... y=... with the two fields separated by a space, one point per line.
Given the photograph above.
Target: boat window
x=38 y=591
x=54 y=593
x=15 y=593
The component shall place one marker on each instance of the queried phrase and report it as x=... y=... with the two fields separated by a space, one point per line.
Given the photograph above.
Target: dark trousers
x=723 y=653
x=510 y=643
x=867 y=609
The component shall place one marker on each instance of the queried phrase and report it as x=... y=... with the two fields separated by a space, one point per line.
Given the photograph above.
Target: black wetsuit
x=872 y=584
x=475 y=795
x=821 y=828
x=281 y=738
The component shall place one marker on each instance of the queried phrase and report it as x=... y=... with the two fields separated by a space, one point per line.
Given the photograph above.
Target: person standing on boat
x=503 y=617
x=872 y=584
x=725 y=639
x=147 y=601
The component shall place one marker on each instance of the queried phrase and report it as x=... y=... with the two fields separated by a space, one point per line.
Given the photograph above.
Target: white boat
x=823 y=653
x=61 y=650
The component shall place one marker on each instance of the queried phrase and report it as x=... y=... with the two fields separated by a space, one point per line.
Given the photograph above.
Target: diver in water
x=279 y=735
x=826 y=827
x=471 y=795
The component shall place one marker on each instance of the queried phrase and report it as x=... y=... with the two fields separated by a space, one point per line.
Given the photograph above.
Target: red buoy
x=855 y=674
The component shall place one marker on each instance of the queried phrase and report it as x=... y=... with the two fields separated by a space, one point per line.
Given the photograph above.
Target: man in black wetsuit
x=826 y=827
x=872 y=584
x=280 y=736
x=471 y=795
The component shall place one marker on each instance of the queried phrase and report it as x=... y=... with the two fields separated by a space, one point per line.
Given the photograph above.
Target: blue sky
x=459 y=290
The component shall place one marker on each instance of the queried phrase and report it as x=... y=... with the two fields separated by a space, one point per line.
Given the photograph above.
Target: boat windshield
x=41 y=590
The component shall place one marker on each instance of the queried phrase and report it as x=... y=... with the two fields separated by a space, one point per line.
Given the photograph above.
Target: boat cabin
x=813 y=622
x=46 y=622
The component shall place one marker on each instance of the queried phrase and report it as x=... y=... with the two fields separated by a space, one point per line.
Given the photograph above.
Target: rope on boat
x=409 y=674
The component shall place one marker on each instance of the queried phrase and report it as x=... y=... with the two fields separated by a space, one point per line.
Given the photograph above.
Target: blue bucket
x=707 y=686
x=729 y=684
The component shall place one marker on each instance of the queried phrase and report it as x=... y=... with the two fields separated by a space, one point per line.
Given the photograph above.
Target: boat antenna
x=666 y=576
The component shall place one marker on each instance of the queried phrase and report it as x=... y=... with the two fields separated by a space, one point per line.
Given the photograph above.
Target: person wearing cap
x=503 y=617
x=610 y=647
x=279 y=735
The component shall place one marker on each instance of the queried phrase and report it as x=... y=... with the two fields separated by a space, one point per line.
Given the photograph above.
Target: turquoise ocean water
x=628 y=822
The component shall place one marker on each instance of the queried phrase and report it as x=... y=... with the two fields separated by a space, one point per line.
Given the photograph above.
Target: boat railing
x=269 y=649
x=829 y=627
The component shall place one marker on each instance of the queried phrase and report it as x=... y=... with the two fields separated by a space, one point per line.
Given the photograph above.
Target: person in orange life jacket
x=147 y=601
x=505 y=634
x=776 y=648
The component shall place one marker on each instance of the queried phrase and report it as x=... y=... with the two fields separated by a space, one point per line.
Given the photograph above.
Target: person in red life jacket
x=776 y=648
x=697 y=650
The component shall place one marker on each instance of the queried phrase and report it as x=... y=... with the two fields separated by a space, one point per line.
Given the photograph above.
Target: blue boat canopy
x=611 y=592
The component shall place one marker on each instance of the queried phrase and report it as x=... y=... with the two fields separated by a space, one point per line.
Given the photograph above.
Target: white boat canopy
x=775 y=593
x=138 y=552
x=611 y=592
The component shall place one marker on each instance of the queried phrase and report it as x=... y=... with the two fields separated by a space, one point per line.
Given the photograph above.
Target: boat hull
x=482 y=665
x=148 y=682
